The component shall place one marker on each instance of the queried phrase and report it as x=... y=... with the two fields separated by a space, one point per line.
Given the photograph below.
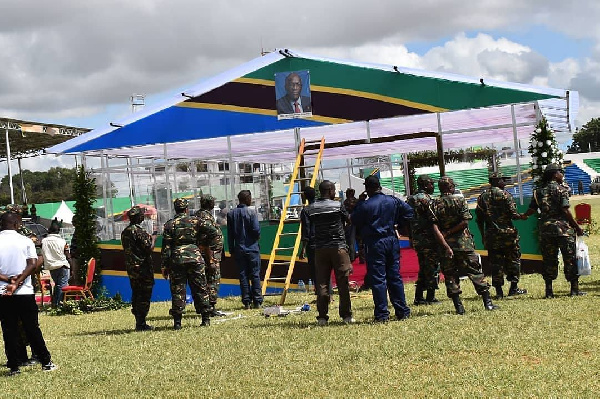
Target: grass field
x=531 y=347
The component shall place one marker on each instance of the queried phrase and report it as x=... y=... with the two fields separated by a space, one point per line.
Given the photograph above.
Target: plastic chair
x=45 y=282
x=583 y=213
x=85 y=290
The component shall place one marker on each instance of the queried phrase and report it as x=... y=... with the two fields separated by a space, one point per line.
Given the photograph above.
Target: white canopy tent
x=64 y=213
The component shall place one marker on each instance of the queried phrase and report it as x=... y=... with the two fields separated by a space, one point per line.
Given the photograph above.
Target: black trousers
x=21 y=307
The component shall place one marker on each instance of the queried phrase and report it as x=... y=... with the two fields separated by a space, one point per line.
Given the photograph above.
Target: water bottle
x=311 y=287
x=301 y=286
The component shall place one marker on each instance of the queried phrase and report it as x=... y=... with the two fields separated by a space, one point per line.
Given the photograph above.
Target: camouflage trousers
x=504 y=255
x=141 y=291
x=549 y=246
x=463 y=263
x=194 y=275
x=429 y=268
x=213 y=276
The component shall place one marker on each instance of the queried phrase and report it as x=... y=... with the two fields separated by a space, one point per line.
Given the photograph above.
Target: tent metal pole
x=440 y=146
x=368 y=131
x=392 y=175
x=23 y=193
x=406 y=174
x=104 y=199
x=10 y=182
x=155 y=191
x=231 y=171
x=349 y=169
x=168 y=183
x=110 y=202
x=130 y=181
x=517 y=151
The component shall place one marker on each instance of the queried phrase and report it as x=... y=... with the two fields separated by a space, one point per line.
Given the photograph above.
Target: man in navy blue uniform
x=243 y=232
x=377 y=219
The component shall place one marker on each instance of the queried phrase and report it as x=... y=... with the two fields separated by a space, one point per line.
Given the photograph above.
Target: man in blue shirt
x=377 y=219
x=243 y=232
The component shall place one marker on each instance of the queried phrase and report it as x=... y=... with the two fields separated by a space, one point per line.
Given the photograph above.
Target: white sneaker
x=349 y=320
x=322 y=322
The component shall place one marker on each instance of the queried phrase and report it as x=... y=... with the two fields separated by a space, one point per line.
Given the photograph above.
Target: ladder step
x=280 y=263
x=276 y=278
x=283 y=248
x=304 y=179
x=312 y=141
x=306 y=166
x=288 y=234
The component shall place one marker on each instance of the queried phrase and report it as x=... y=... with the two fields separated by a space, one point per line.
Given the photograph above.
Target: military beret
x=134 y=211
x=372 y=181
x=421 y=180
x=180 y=203
x=553 y=167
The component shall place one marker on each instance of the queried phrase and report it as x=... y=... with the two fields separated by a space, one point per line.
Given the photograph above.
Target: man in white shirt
x=18 y=260
x=55 y=251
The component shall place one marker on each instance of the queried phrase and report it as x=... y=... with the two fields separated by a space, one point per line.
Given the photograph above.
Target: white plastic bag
x=584 y=267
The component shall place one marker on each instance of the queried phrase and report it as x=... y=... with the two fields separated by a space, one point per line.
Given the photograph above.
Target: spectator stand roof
x=362 y=109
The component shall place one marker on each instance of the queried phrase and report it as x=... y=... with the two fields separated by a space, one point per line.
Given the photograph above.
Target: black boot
x=140 y=324
x=515 y=290
x=499 y=292
x=205 y=319
x=419 y=297
x=487 y=301
x=575 y=289
x=431 y=300
x=177 y=322
x=460 y=309
x=549 y=291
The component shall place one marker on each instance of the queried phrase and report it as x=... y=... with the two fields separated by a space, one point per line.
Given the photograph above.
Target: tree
x=587 y=138
x=84 y=221
x=543 y=149
x=51 y=186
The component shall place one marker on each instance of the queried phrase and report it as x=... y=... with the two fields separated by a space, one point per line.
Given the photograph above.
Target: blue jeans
x=61 y=279
x=248 y=264
x=383 y=268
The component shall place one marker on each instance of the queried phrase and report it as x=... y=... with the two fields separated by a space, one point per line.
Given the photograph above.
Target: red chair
x=85 y=291
x=583 y=213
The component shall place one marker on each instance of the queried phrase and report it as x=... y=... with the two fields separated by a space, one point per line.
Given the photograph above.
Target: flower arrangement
x=543 y=149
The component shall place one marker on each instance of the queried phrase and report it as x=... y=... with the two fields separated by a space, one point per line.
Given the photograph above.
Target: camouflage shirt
x=206 y=216
x=137 y=244
x=497 y=209
x=181 y=237
x=450 y=210
x=551 y=200
x=422 y=221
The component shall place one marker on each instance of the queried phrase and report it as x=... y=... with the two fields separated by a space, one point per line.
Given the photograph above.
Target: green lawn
x=531 y=347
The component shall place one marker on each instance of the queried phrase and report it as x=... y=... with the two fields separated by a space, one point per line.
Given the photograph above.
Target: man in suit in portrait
x=293 y=102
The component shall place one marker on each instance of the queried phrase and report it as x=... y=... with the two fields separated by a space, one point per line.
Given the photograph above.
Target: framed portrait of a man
x=292 y=94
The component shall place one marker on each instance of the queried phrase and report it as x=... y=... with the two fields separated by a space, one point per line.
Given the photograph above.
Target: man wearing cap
x=182 y=261
x=557 y=229
x=452 y=216
x=213 y=264
x=243 y=233
x=495 y=212
x=376 y=219
x=424 y=242
x=138 y=246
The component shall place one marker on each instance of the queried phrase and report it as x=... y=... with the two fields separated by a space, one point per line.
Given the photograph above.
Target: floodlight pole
x=10 y=182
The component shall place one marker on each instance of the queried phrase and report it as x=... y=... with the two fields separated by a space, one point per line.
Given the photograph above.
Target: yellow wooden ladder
x=288 y=233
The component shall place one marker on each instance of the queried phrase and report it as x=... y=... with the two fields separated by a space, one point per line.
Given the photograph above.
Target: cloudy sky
x=78 y=62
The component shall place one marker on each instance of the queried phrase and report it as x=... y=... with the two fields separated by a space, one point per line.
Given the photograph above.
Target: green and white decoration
x=543 y=149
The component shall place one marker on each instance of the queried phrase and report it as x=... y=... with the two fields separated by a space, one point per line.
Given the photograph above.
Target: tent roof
x=235 y=111
x=64 y=213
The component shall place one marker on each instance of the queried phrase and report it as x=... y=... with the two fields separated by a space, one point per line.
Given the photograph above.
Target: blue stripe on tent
x=182 y=124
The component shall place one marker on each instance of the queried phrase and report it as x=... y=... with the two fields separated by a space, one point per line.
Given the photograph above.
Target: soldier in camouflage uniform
x=182 y=261
x=452 y=216
x=138 y=246
x=557 y=229
x=213 y=264
x=424 y=241
x=495 y=212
